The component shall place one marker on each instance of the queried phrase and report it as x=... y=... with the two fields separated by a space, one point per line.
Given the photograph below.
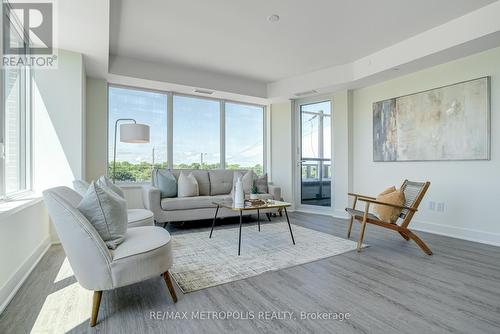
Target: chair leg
x=404 y=235
x=419 y=242
x=96 y=302
x=350 y=227
x=168 y=280
x=361 y=235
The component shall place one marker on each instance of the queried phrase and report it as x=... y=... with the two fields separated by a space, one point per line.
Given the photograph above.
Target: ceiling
x=234 y=37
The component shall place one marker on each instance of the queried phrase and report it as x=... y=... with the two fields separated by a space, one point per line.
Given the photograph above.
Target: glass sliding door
x=315 y=154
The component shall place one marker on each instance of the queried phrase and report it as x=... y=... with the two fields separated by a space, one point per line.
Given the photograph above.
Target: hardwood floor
x=390 y=287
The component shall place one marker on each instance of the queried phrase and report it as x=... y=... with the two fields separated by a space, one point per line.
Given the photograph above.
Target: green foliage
x=141 y=172
x=254 y=190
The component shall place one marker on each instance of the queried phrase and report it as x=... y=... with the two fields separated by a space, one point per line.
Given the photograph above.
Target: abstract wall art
x=447 y=123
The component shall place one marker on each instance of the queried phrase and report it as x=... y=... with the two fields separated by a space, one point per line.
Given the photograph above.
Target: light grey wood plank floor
x=391 y=287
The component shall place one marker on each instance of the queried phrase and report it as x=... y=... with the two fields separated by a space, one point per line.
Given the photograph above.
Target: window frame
x=264 y=132
x=109 y=85
x=170 y=120
x=25 y=133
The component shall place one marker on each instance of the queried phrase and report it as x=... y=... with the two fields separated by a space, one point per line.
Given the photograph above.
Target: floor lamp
x=130 y=133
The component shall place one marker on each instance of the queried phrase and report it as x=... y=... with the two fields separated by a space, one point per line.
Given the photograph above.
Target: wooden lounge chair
x=413 y=191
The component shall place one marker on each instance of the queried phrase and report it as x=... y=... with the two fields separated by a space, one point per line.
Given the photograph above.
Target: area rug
x=200 y=262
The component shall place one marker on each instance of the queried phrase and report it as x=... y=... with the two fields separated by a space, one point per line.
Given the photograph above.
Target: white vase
x=254 y=196
x=239 y=196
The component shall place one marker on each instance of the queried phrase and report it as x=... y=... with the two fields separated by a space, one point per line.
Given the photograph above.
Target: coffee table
x=269 y=204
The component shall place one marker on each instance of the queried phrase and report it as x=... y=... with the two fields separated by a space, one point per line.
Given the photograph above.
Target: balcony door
x=314 y=154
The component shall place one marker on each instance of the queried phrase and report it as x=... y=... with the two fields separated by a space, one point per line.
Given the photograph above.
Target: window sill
x=12 y=206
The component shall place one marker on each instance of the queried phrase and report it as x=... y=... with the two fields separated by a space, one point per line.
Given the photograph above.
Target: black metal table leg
x=268 y=215
x=289 y=226
x=239 y=242
x=258 y=218
x=213 y=224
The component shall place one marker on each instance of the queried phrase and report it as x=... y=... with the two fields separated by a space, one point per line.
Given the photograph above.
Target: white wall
x=342 y=150
x=97 y=128
x=24 y=238
x=281 y=148
x=469 y=189
x=59 y=123
x=58 y=157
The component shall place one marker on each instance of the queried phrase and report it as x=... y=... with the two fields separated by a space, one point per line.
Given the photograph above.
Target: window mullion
x=222 y=134
x=170 y=130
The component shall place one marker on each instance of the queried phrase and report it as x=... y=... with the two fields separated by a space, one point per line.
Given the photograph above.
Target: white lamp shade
x=134 y=133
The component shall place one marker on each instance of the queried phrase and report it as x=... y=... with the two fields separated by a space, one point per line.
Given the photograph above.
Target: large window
x=244 y=137
x=15 y=129
x=187 y=132
x=134 y=161
x=196 y=133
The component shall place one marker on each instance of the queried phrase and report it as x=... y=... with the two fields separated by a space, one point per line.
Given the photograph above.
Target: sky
x=196 y=128
x=310 y=130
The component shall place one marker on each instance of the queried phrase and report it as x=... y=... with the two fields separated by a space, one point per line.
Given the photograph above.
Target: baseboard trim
x=457 y=232
x=342 y=214
x=439 y=229
x=9 y=290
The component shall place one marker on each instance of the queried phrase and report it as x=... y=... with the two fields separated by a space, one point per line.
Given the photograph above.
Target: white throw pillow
x=187 y=186
x=103 y=181
x=247 y=180
x=107 y=212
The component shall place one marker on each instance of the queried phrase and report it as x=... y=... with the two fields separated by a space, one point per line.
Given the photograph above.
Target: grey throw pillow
x=103 y=181
x=107 y=212
x=261 y=183
x=81 y=186
x=166 y=182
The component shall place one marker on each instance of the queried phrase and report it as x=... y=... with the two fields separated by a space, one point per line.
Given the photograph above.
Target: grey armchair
x=145 y=253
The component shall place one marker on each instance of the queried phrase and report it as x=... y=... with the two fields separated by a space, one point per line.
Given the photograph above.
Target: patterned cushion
x=261 y=183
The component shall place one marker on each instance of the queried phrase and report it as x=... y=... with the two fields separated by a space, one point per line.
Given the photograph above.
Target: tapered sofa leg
x=168 y=280
x=96 y=302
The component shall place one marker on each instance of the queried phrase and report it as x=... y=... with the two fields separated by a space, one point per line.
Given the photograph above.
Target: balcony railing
x=316 y=175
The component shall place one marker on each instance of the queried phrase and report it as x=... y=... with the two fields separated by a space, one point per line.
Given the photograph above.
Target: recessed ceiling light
x=273 y=18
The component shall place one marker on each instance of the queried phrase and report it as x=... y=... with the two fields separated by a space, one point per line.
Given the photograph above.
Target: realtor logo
x=28 y=34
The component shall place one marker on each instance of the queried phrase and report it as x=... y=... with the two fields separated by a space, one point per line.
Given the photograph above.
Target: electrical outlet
x=440 y=207
x=432 y=205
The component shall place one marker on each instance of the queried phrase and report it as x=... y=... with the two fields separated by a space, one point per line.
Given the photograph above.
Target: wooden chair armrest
x=360 y=196
x=364 y=199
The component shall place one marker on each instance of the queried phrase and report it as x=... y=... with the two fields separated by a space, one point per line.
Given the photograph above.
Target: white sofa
x=213 y=185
